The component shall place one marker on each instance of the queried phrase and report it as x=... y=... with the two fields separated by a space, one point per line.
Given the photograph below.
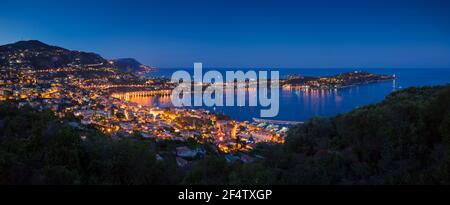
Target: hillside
x=403 y=140
x=130 y=65
x=34 y=54
x=37 y=55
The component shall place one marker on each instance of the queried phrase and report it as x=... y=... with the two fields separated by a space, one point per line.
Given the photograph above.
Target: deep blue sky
x=258 y=33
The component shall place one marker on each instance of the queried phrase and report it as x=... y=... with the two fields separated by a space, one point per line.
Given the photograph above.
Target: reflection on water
x=154 y=101
x=299 y=104
x=314 y=100
x=296 y=103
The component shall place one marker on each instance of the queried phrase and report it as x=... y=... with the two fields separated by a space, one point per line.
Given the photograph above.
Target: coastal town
x=341 y=80
x=252 y=101
x=100 y=94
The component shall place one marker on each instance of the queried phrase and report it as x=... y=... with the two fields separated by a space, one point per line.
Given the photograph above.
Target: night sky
x=280 y=34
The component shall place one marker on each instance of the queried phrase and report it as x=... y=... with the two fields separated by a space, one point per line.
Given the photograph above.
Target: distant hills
x=38 y=55
x=129 y=65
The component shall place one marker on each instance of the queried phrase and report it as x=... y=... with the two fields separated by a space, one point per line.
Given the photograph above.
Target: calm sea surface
x=300 y=105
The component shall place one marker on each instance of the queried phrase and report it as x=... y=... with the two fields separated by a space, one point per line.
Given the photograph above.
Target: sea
x=297 y=104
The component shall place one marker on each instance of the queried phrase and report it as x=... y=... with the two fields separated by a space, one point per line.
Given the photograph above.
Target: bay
x=302 y=104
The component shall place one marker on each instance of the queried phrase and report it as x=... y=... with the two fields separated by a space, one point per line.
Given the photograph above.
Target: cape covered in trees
x=404 y=139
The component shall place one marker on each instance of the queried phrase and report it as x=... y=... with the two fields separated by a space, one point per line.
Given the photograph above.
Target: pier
x=278 y=122
x=133 y=94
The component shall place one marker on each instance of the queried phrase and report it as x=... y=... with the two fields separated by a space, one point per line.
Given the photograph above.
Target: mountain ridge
x=34 y=54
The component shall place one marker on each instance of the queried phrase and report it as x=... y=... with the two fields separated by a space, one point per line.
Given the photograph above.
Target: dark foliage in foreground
x=37 y=148
x=403 y=140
